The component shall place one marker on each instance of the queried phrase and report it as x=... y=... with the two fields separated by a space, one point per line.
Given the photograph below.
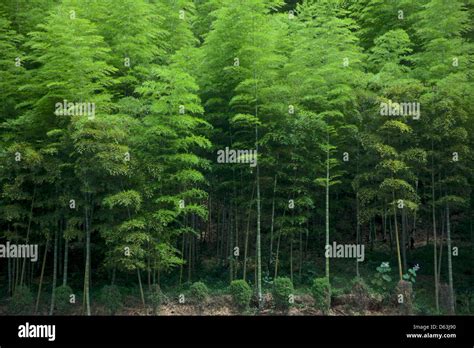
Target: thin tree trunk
x=390 y=230
x=404 y=239
x=55 y=272
x=258 y=246
x=327 y=219
x=41 y=276
x=301 y=256
x=32 y=269
x=223 y=251
x=148 y=268
x=435 y=241
x=142 y=295
x=472 y=231
x=231 y=247
x=327 y=204
x=357 y=231
x=194 y=249
x=400 y=271
x=66 y=257
x=181 y=267
x=190 y=261
x=384 y=223
x=209 y=220
x=217 y=233
x=357 y=208
x=450 y=262
x=17 y=273
x=9 y=268
x=236 y=264
x=28 y=233
x=247 y=235
x=14 y=272
x=440 y=252
x=291 y=258
x=60 y=244
x=272 y=224
x=277 y=256
x=414 y=214
x=87 y=266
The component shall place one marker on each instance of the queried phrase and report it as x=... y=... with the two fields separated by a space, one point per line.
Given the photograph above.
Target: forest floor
x=344 y=301
x=221 y=305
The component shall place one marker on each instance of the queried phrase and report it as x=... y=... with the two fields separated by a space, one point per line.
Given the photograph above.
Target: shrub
x=382 y=278
x=410 y=276
x=361 y=293
x=111 y=298
x=404 y=297
x=155 y=298
x=241 y=293
x=465 y=301
x=199 y=292
x=63 y=294
x=321 y=290
x=21 y=301
x=282 y=289
x=422 y=304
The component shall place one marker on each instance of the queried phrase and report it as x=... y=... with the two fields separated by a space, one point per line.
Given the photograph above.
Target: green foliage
x=465 y=303
x=241 y=293
x=382 y=278
x=281 y=292
x=111 y=298
x=199 y=292
x=62 y=301
x=21 y=302
x=392 y=47
x=155 y=298
x=361 y=292
x=321 y=290
x=174 y=81
x=130 y=199
x=10 y=74
x=410 y=276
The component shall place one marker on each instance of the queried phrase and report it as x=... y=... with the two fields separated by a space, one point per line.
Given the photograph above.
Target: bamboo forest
x=236 y=157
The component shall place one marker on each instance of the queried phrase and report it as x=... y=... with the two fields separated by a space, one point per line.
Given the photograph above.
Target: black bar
x=261 y=330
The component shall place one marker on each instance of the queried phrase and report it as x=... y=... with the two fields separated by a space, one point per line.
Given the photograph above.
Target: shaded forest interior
x=165 y=153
